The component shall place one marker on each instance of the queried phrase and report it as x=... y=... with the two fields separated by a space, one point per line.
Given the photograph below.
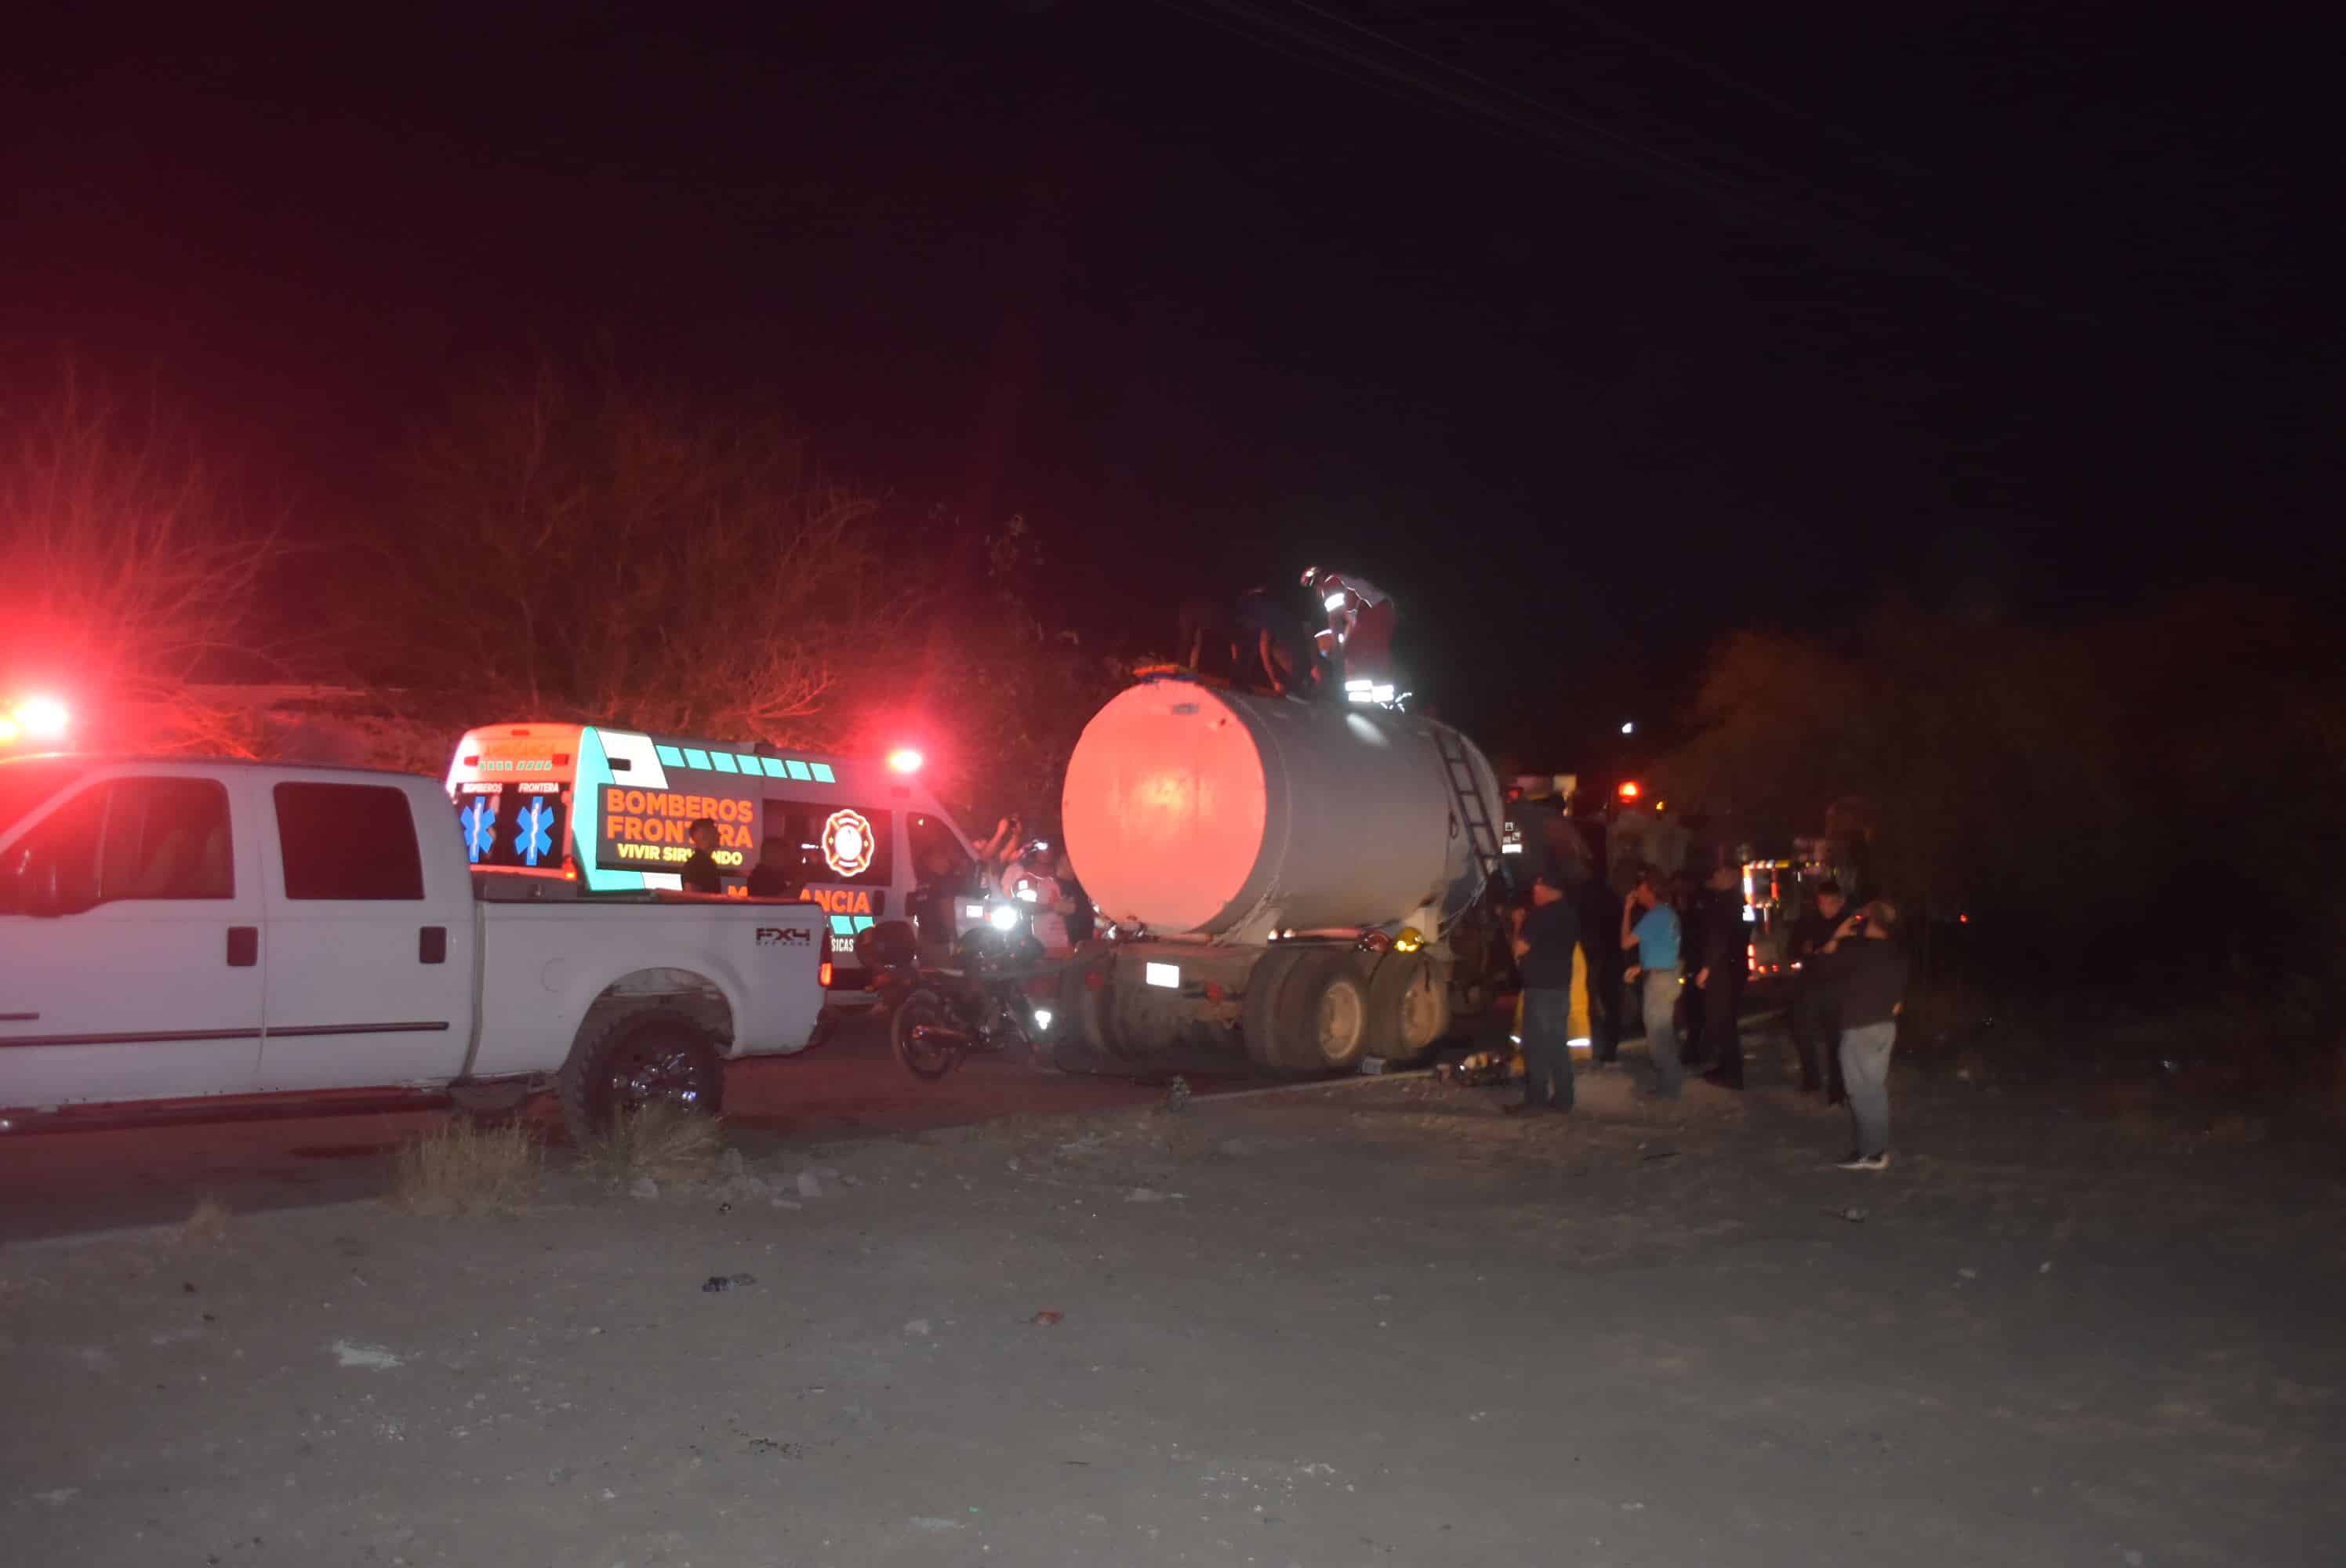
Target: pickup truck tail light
x=825 y=972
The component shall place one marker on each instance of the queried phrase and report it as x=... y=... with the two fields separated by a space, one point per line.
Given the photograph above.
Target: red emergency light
x=904 y=760
x=34 y=718
x=1628 y=789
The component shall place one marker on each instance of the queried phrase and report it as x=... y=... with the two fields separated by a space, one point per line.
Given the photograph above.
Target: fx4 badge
x=778 y=936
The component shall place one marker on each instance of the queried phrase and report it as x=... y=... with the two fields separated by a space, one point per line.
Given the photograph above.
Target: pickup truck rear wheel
x=633 y=1060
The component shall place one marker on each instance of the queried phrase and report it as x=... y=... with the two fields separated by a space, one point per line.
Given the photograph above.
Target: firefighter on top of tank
x=1361 y=618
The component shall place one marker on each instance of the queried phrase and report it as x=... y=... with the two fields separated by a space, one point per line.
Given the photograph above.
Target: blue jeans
x=1865 y=1069
x=1548 y=1057
x=1661 y=1000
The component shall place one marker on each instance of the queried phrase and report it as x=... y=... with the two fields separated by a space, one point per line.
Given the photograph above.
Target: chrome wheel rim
x=656 y=1071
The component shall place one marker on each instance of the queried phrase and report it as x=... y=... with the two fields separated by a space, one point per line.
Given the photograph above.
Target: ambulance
x=609 y=809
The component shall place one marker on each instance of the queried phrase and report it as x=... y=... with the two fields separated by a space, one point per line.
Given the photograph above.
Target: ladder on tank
x=1466 y=798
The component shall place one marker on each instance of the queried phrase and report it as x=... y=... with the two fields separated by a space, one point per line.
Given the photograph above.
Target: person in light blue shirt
x=1650 y=935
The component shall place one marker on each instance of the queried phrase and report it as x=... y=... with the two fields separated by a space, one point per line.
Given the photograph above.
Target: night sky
x=1592 y=334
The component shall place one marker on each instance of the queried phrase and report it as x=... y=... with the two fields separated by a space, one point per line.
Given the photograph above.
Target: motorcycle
x=937 y=1015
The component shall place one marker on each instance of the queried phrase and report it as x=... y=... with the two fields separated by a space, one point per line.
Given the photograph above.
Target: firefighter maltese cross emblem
x=847 y=847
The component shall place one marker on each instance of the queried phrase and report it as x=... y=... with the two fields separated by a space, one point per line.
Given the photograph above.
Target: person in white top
x=1029 y=880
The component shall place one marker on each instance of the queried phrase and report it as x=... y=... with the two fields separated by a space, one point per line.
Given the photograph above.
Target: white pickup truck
x=173 y=929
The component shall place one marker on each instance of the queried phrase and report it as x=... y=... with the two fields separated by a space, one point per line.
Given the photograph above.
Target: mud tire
x=592 y=1086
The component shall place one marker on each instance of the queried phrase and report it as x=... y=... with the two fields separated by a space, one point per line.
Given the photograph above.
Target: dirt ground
x=100 y=1177
x=1374 y=1323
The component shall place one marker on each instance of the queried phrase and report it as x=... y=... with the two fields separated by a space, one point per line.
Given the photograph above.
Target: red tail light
x=825 y=972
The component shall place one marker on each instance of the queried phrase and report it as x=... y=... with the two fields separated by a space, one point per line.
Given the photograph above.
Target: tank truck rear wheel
x=1259 y=1021
x=1409 y=1008
x=1323 y=1015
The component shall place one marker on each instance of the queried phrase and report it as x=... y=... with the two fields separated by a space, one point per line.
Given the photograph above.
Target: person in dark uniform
x=701 y=873
x=1719 y=979
x=1816 y=1032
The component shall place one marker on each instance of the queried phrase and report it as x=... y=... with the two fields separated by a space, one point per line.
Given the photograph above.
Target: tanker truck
x=1295 y=886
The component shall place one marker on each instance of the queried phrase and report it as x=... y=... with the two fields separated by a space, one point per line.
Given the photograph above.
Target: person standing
x=1546 y=945
x=1207 y=641
x=701 y=873
x=1361 y=618
x=779 y=870
x=1274 y=649
x=1816 y=1035
x=1600 y=911
x=1719 y=979
x=1650 y=932
x=1865 y=978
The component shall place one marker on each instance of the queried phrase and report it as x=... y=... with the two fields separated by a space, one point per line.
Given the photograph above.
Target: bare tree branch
x=125 y=575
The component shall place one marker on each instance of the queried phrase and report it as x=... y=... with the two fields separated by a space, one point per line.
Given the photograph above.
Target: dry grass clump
x=459 y=1167
x=664 y=1142
x=207 y=1226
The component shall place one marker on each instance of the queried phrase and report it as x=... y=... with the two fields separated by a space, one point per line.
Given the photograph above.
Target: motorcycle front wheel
x=928 y=1040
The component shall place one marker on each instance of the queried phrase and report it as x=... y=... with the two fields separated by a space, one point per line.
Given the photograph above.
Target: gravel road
x=1372 y=1324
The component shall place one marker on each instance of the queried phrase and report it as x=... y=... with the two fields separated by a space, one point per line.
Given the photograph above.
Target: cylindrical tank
x=1200 y=811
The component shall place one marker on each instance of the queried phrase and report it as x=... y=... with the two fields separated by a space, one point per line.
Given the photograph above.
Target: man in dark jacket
x=1864 y=976
x=1543 y=950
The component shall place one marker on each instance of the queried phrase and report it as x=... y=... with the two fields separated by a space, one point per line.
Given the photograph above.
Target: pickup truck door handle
x=243 y=946
x=431 y=944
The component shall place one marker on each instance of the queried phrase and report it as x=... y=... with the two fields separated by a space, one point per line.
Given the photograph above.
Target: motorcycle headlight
x=1003 y=917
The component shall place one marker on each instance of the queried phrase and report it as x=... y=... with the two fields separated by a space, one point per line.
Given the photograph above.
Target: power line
x=1558 y=128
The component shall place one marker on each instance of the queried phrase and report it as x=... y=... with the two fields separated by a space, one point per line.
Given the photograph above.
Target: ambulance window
x=534 y=831
x=938 y=859
x=477 y=824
